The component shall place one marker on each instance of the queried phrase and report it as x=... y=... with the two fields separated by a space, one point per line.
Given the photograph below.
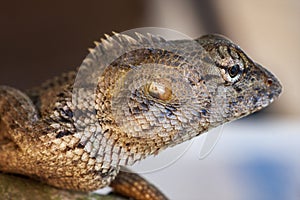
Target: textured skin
x=157 y=95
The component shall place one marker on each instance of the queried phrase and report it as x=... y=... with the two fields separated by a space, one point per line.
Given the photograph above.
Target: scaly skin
x=76 y=133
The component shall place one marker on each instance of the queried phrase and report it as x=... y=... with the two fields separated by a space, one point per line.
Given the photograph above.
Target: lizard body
x=152 y=97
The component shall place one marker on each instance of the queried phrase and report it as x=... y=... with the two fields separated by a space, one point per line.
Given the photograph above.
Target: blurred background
x=257 y=157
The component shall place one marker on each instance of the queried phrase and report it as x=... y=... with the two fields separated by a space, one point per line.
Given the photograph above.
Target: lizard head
x=161 y=93
x=246 y=86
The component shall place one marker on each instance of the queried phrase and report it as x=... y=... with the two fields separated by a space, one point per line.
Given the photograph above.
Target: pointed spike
x=107 y=36
x=156 y=39
x=141 y=37
x=152 y=37
x=92 y=51
x=105 y=43
x=148 y=38
x=130 y=39
x=115 y=33
x=96 y=43
x=118 y=36
x=160 y=38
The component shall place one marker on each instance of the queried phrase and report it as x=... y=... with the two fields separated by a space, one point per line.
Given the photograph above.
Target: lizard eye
x=234 y=70
x=159 y=91
x=233 y=73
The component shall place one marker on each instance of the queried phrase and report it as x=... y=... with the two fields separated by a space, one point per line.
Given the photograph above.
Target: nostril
x=269 y=81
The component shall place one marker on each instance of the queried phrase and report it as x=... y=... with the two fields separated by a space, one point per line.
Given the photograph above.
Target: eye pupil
x=234 y=70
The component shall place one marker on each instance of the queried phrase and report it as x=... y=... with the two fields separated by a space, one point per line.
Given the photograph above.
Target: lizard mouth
x=271 y=91
x=273 y=86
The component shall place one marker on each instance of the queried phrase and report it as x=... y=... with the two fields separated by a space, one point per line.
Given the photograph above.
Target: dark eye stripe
x=223 y=51
x=233 y=53
x=220 y=52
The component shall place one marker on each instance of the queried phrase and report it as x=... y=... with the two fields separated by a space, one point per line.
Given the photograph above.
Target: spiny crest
x=112 y=47
x=119 y=40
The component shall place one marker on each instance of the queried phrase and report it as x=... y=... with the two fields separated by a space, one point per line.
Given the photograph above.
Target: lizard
x=79 y=130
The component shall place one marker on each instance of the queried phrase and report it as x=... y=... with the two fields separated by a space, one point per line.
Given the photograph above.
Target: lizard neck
x=126 y=149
